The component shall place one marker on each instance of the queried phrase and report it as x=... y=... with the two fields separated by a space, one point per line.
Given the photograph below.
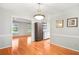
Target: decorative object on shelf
x=59 y=23
x=72 y=22
x=39 y=15
x=14 y=29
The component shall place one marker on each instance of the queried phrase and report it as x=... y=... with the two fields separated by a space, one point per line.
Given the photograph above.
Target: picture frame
x=59 y=23
x=72 y=22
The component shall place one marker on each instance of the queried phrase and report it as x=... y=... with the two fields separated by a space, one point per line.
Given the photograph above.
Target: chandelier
x=39 y=15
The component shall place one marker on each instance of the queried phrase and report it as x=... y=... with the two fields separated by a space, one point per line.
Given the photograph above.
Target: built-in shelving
x=45 y=31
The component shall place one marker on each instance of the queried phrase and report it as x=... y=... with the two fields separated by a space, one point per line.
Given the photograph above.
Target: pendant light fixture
x=39 y=15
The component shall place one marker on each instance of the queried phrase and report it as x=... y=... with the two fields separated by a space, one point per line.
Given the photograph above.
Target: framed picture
x=72 y=22
x=59 y=23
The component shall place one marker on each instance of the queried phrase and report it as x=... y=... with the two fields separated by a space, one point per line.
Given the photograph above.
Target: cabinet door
x=38 y=31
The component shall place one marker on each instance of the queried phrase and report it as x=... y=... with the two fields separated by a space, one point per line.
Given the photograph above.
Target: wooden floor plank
x=6 y=51
x=36 y=48
x=42 y=48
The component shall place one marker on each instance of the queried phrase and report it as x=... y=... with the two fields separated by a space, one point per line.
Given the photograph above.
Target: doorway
x=41 y=31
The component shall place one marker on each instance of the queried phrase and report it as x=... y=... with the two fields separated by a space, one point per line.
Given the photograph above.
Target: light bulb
x=39 y=17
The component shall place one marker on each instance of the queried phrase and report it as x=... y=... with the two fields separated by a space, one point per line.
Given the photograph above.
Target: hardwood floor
x=5 y=51
x=21 y=46
x=41 y=48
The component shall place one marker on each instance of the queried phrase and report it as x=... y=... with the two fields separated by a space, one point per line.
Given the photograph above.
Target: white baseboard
x=65 y=47
x=5 y=47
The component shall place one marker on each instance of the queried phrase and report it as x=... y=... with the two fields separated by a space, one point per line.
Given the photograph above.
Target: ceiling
x=30 y=9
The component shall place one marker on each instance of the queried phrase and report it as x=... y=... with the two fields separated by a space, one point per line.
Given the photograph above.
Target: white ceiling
x=30 y=8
